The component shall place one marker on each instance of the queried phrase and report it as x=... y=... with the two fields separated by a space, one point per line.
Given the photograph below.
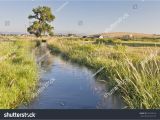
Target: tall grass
x=141 y=83
x=18 y=74
x=138 y=76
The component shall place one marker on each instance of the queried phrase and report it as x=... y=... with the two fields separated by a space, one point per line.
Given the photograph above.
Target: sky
x=85 y=16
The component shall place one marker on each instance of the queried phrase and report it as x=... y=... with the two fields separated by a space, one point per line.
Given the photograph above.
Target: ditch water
x=69 y=86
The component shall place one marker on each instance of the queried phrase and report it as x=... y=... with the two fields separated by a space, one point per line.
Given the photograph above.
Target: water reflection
x=73 y=88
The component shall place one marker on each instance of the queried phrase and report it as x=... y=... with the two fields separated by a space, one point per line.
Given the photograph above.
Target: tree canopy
x=43 y=17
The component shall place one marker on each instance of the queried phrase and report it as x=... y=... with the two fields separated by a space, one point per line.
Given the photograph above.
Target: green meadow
x=133 y=68
x=18 y=73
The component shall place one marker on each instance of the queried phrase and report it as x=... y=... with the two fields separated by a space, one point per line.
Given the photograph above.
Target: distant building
x=106 y=36
x=101 y=37
x=127 y=37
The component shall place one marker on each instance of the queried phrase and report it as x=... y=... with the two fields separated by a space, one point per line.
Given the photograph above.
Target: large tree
x=42 y=18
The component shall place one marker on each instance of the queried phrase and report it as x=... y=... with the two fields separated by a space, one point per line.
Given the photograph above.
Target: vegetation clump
x=43 y=16
x=18 y=74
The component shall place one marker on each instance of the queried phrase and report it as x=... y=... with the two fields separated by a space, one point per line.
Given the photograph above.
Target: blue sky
x=85 y=16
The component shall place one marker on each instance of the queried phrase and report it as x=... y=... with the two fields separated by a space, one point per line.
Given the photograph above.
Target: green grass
x=138 y=68
x=141 y=83
x=18 y=74
x=132 y=43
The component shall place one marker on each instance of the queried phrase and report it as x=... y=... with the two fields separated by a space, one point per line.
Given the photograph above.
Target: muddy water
x=64 y=85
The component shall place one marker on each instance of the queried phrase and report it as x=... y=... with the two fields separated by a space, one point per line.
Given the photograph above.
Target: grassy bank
x=135 y=70
x=18 y=73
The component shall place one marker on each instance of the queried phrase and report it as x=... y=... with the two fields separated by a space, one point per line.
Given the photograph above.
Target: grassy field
x=135 y=69
x=133 y=66
x=18 y=72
